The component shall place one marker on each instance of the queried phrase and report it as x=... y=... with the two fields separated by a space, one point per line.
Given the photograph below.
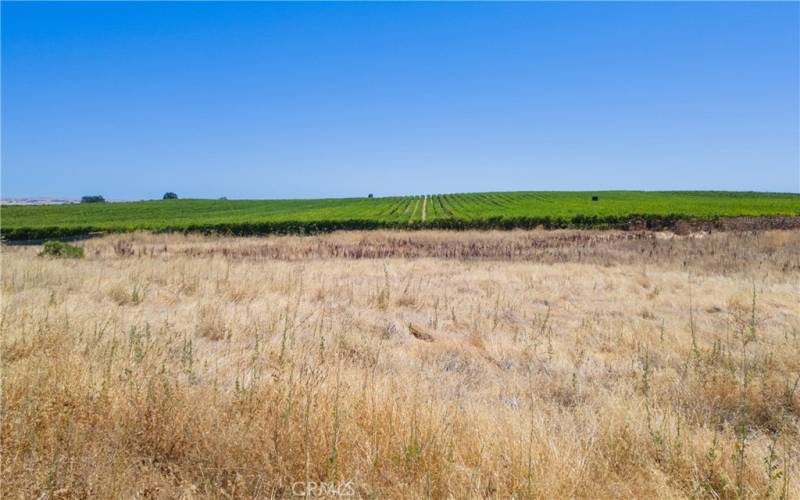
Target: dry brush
x=524 y=364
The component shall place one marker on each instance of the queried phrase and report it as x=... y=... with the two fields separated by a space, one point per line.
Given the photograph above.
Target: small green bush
x=93 y=199
x=61 y=249
x=170 y=196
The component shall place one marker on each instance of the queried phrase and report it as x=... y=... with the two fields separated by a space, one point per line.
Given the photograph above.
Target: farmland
x=443 y=211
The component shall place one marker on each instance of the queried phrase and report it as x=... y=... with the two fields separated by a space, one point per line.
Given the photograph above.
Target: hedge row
x=316 y=227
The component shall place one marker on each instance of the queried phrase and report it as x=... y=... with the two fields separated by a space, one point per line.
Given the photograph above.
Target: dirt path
x=425 y=208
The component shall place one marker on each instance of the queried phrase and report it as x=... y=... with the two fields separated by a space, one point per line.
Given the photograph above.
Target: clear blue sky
x=272 y=100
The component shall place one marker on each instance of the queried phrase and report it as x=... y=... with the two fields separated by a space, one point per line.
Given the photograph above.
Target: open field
x=402 y=364
x=452 y=211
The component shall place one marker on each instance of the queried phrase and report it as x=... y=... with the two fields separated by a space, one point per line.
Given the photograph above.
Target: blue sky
x=273 y=100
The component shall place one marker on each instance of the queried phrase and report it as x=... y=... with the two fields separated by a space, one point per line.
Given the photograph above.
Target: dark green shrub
x=61 y=249
x=170 y=196
x=93 y=199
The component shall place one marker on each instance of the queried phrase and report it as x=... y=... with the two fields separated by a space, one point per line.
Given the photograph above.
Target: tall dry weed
x=270 y=368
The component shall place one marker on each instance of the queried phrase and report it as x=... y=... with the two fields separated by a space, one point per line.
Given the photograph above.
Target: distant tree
x=223 y=198
x=170 y=196
x=370 y=195
x=93 y=199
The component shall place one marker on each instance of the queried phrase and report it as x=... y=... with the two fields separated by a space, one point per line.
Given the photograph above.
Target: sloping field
x=450 y=211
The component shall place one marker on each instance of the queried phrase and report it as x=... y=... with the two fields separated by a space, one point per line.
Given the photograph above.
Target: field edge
x=674 y=222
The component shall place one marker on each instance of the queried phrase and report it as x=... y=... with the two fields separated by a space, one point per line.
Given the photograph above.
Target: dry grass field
x=404 y=365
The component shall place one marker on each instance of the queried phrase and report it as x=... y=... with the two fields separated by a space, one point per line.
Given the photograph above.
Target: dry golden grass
x=404 y=365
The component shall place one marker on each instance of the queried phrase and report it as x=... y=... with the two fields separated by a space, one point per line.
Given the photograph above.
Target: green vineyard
x=506 y=210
